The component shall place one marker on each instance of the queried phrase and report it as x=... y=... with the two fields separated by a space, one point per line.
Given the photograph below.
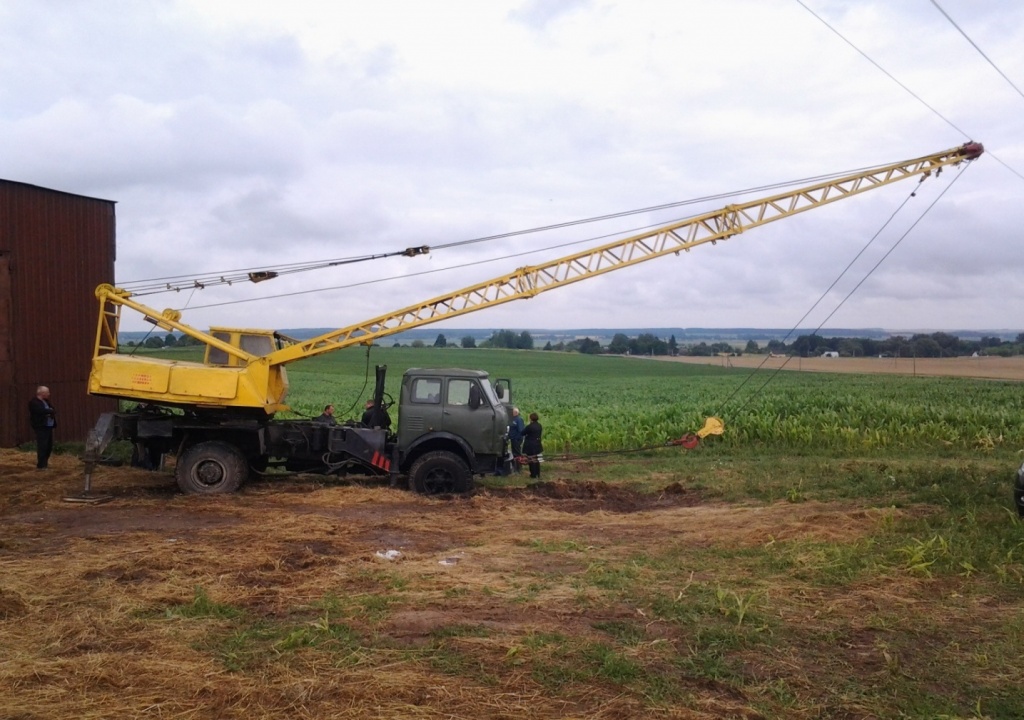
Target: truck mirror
x=474 y=397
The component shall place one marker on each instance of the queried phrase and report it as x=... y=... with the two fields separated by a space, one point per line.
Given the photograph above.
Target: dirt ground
x=93 y=597
x=994 y=368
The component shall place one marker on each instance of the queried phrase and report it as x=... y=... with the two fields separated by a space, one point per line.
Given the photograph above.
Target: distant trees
x=619 y=344
x=648 y=344
x=509 y=339
x=923 y=345
x=587 y=346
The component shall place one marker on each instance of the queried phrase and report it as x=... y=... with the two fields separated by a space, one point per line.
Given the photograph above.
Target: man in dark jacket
x=41 y=417
x=533 y=448
x=327 y=416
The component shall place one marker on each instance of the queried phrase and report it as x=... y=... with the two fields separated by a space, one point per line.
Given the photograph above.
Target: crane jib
x=235 y=376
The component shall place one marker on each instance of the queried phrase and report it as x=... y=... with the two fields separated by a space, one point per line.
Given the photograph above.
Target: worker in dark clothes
x=533 y=449
x=43 y=420
x=375 y=417
x=327 y=416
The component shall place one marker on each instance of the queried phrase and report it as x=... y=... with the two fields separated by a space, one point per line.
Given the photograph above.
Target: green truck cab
x=452 y=425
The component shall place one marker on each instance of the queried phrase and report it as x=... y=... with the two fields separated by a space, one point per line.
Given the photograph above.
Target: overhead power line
x=975 y=45
x=904 y=87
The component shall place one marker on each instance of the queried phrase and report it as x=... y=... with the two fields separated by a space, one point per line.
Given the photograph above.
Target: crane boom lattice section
x=711 y=227
x=244 y=373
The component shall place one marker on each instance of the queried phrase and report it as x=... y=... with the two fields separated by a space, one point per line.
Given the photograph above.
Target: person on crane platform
x=327 y=417
x=375 y=417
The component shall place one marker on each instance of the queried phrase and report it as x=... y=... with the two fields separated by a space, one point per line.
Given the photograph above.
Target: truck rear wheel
x=211 y=467
x=440 y=472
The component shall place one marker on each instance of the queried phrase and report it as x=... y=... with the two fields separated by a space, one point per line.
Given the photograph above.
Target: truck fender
x=418 y=443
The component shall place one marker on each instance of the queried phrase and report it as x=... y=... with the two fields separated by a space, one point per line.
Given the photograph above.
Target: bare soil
x=993 y=368
x=93 y=597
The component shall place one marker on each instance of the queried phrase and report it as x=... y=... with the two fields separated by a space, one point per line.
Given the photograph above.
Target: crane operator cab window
x=426 y=390
x=254 y=343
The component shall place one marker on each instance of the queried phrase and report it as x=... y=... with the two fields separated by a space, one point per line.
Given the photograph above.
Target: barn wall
x=55 y=248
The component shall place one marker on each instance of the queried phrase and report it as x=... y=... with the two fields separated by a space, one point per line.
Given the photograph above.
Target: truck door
x=468 y=412
x=421 y=409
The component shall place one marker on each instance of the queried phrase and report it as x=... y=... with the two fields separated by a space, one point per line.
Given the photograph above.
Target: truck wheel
x=440 y=472
x=211 y=467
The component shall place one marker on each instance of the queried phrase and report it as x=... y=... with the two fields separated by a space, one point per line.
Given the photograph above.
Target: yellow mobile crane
x=222 y=418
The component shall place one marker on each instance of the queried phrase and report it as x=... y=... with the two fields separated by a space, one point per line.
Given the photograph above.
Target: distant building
x=55 y=248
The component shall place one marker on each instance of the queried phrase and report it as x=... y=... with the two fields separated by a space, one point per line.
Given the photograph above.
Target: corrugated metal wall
x=55 y=248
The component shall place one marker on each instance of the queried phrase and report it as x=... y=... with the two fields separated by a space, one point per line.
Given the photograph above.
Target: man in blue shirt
x=515 y=438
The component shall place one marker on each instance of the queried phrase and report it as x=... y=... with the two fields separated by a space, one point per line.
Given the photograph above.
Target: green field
x=866 y=560
x=593 y=403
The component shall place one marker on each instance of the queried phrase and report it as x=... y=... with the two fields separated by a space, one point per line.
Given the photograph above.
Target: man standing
x=327 y=417
x=532 y=446
x=515 y=438
x=43 y=421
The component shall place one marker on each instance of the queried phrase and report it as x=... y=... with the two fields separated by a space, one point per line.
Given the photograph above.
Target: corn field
x=597 y=404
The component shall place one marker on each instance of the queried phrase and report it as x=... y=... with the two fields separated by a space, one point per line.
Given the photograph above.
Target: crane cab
x=254 y=342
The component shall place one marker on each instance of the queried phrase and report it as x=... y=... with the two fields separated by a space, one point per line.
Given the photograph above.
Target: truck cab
x=452 y=424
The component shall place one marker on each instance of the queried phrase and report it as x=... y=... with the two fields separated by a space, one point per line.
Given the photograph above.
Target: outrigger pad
x=712 y=426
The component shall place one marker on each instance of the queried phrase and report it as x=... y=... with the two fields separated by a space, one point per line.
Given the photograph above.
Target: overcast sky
x=252 y=134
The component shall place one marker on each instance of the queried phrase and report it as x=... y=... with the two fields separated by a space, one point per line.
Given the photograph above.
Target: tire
x=440 y=473
x=211 y=467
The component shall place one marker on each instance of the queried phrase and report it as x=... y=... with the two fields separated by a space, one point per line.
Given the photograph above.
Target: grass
x=736 y=580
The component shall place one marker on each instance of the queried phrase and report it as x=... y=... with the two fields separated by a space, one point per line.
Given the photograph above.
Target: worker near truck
x=515 y=438
x=327 y=416
x=375 y=417
x=43 y=420
x=532 y=446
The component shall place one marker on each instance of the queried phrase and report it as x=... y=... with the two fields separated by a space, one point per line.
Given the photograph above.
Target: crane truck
x=218 y=417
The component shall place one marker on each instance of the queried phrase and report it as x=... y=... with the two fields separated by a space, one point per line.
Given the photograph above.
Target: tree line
x=931 y=345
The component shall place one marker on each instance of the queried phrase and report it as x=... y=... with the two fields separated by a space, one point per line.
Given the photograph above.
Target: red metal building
x=55 y=248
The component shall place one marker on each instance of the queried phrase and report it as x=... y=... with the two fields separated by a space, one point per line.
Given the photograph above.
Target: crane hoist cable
x=258 y=274
x=848 y=295
x=713 y=425
x=177 y=283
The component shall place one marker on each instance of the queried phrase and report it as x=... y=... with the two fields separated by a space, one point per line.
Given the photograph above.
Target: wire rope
x=842 y=302
x=178 y=283
x=905 y=88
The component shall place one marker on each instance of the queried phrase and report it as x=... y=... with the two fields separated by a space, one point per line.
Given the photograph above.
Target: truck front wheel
x=440 y=472
x=211 y=467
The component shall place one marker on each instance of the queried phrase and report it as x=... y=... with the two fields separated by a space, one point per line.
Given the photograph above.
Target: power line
x=904 y=87
x=975 y=45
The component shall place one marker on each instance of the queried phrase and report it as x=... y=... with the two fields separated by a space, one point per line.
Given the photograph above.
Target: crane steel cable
x=178 y=283
x=849 y=294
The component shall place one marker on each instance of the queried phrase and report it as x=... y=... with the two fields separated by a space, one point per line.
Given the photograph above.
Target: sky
x=237 y=135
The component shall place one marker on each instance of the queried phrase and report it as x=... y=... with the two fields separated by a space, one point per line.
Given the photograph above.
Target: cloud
x=241 y=135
